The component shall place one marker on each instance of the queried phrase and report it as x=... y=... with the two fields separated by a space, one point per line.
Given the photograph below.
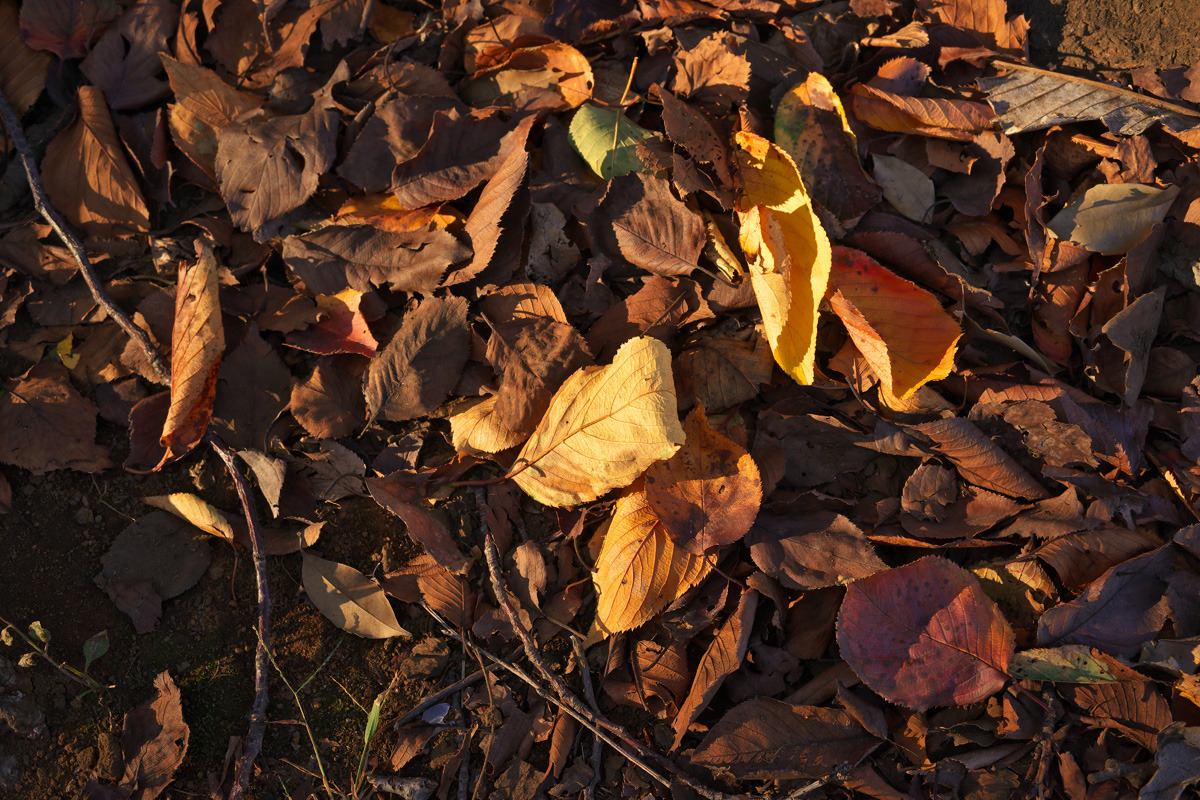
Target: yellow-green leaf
x=604 y=427
x=787 y=249
x=607 y=140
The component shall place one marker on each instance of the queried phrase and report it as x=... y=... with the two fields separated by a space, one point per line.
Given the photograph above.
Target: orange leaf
x=944 y=118
x=342 y=328
x=639 y=571
x=787 y=249
x=88 y=177
x=197 y=341
x=901 y=329
x=384 y=212
x=708 y=493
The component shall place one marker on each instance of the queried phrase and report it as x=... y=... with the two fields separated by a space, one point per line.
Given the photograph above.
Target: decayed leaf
x=769 y=740
x=193 y=509
x=722 y=372
x=88 y=176
x=419 y=367
x=925 y=635
x=243 y=418
x=65 y=27
x=476 y=428
x=603 y=427
x=1112 y=217
x=197 y=341
x=788 y=251
x=349 y=599
x=203 y=105
x=1072 y=663
x=639 y=571
x=154 y=741
x=1178 y=761
x=608 y=141
x=546 y=77
x=708 y=493
x=125 y=63
x=46 y=425
x=22 y=68
x=497 y=223
x=979 y=460
x=901 y=329
x=654 y=230
x=723 y=656
x=1029 y=99
x=811 y=127
x=812 y=552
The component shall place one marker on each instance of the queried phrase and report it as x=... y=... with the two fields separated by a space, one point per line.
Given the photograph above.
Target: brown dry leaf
x=901 y=329
x=708 y=493
x=204 y=104
x=154 y=741
x=88 y=176
x=549 y=77
x=422 y=524
x=349 y=599
x=639 y=571
x=475 y=427
x=766 y=739
x=788 y=252
x=193 y=509
x=979 y=460
x=659 y=308
x=603 y=427
x=654 y=229
x=46 y=425
x=723 y=656
x=329 y=403
x=722 y=372
x=1111 y=218
x=125 y=63
x=197 y=342
x=812 y=552
x=65 y=27
x=243 y=418
x=496 y=225
x=22 y=68
x=416 y=371
x=960 y=120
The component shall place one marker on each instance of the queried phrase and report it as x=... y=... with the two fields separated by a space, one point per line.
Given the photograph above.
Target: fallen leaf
x=654 y=230
x=979 y=460
x=195 y=510
x=197 y=341
x=901 y=329
x=46 y=425
x=925 y=635
x=414 y=373
x=349 y=599
x=1071 y=663
x=722 y=657
x=423 y=525
x=603 y=427
x=908 y=189
x=154 y=741
x=475 y=427
x=125 y=63
x=769 y=740
x=329 y=403
x=708 y=493
x=1178 y=761
x=1111 y=218
x=787 y=249
x=340 y=328
x=639 y=571
x=947 y=118
x=497 y=223
x=812 y=552
x=88 y=177
x=722 y=372
x=712 y=73
x=659 y=308
x=22 y=68
x=547 y=77
x=204 y=104
x=243 y=418
x=607 y=140
x=65 y=27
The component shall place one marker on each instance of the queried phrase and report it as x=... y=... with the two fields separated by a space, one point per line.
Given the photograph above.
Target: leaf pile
x=848 y=364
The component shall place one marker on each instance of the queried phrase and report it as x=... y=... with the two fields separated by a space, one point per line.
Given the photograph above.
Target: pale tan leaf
x=640 y=571
x=197 y=341
x=191 y=508
x=1111 y=218
x=88 y=176
x=475 y=428
x=604 y=426
x=349 y=599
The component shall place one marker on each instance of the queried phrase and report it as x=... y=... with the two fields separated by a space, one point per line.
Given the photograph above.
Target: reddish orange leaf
x=708 y=493
x=925 y=635
x=901 y=329
x=342 y=328
x=197 y=341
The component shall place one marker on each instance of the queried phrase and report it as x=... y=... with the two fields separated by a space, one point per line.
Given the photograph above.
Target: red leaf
x=925 y=635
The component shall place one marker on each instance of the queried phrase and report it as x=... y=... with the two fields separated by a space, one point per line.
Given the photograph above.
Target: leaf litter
x=523 y=277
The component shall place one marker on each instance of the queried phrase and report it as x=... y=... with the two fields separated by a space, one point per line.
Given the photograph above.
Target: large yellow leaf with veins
x=787 y=249
x=604 y=426
x=640 y=571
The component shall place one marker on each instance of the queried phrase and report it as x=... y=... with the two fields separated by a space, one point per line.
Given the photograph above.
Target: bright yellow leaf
x=640 y=571
x=475 y=428
x=787 y=249
x=604 y=426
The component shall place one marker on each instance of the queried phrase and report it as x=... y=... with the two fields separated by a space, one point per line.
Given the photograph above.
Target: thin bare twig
x=437 y=697
x=17 y=134
x=590 y=792
x=258 y=711
x=257 y=727
x=569 y=699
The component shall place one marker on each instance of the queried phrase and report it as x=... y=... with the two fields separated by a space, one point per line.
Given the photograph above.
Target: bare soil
x=63 y=523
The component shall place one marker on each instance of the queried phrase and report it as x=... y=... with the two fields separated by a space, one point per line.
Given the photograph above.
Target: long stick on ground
x=258 y=720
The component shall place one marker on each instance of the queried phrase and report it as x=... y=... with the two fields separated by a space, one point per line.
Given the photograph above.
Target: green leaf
x=94 y=647
x=372 y=722
x=607 y=141
x=1071 y=663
